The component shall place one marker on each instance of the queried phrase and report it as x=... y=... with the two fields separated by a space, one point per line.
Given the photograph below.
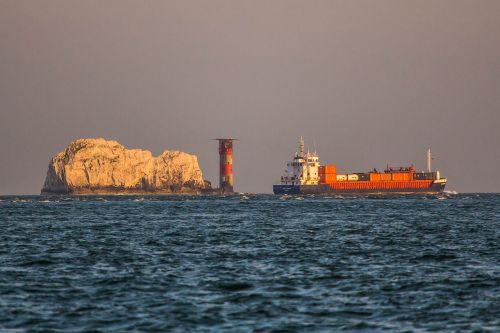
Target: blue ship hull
x=326 y=189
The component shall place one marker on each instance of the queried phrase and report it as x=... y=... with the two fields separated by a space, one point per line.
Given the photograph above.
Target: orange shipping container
x=374 y=177
x=331 y=178
x=401 y=176
x=397 y=176
x=330 y=169
x=385 y=176
x=327 y=178
x=327 y=174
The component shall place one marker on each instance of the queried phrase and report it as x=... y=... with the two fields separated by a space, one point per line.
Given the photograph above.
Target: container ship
x=305 y=175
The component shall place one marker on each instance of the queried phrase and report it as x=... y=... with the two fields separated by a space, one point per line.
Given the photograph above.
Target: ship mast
x=429 y=160
x=301 y=146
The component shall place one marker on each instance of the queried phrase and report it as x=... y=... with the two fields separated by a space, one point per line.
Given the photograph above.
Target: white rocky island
x=98 y=166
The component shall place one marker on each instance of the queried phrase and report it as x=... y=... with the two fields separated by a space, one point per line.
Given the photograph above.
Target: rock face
x=98 y=166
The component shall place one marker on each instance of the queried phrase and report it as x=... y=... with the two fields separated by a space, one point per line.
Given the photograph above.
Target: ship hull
x=433 y=188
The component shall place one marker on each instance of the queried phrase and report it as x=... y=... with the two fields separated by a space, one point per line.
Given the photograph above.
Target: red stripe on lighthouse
x=226 y=169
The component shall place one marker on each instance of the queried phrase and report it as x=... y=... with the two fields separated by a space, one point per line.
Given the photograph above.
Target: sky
x=365 y=82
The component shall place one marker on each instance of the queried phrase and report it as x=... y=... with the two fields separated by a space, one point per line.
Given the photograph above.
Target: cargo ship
x=305 y=175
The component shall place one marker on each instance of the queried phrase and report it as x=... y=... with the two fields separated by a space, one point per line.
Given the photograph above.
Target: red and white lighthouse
x=226 y=165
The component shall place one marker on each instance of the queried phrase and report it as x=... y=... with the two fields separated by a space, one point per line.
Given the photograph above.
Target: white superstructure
x=303 y=169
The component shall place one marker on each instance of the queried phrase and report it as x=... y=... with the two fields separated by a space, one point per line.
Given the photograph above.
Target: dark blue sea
x=250 y=263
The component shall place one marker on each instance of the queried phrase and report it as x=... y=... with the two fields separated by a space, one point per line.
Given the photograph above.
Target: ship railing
x=398 y=169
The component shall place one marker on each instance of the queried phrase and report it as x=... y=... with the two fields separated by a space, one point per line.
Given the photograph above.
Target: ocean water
x=250 y=263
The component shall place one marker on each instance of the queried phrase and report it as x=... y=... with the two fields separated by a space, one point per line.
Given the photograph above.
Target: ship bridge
x=303 y=169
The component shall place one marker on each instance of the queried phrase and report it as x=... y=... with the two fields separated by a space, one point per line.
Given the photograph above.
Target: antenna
x=314 y=145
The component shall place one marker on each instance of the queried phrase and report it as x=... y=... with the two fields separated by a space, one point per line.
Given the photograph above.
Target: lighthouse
x=226 y=165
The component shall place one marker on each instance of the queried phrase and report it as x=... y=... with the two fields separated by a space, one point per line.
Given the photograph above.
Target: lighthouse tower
x=226 y=165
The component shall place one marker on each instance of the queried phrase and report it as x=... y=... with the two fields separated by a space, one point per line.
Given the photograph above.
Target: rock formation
x=98 y=166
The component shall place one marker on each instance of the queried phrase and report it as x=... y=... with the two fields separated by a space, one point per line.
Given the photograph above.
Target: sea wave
x=262 y=263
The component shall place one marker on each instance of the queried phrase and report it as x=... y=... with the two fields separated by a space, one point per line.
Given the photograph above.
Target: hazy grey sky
x=369 y=81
